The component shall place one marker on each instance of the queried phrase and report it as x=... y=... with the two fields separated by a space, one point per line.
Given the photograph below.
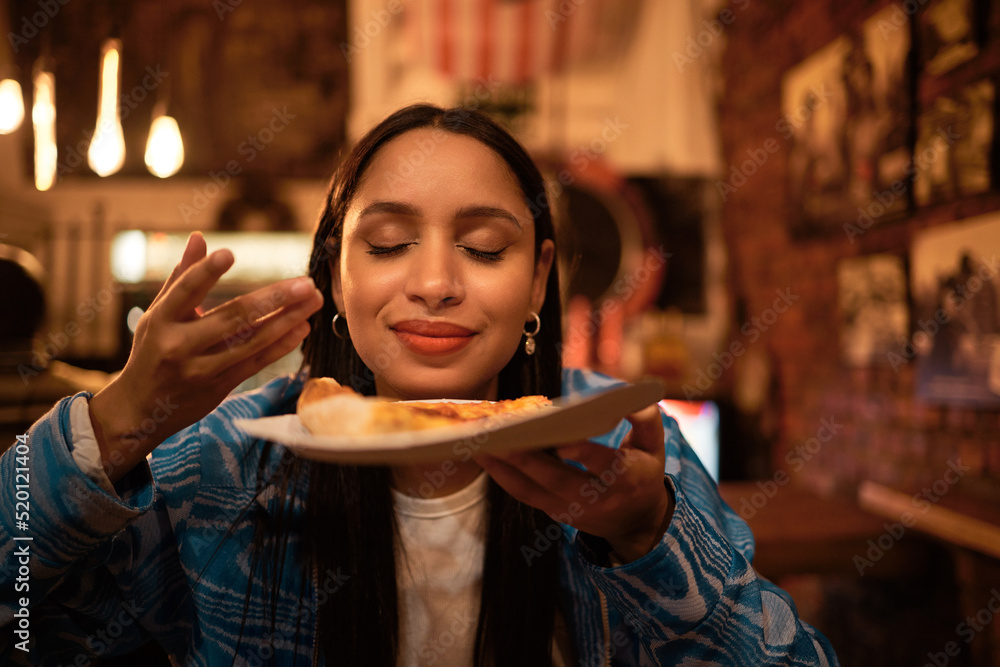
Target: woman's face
x=437 y=274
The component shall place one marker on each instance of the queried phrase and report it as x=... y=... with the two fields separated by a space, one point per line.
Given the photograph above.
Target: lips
x=432 y=338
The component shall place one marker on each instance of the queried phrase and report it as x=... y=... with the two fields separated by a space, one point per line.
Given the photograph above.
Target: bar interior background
x=788 y=211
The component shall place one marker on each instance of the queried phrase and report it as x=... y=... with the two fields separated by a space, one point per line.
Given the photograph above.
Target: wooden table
x=798 y=532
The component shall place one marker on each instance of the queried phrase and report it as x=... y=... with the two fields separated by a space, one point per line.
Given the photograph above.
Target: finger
x=520 y=486
x=194 y=250
x=237 y=321
x=593 y=457
x=267 y=356
x=647 y=430
x=558 y=478
x=193 y=285
x=250 y=341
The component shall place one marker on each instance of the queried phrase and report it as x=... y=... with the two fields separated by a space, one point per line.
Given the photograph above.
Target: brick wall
x=887 y=434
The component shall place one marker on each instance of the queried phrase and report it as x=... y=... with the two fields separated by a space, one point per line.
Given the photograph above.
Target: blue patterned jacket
x=169 y=559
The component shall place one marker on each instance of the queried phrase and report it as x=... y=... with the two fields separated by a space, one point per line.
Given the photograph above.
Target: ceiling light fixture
x=106 y=154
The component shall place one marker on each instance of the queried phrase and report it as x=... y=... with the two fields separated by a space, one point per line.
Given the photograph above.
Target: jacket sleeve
x=696 y=598
x=69 y=582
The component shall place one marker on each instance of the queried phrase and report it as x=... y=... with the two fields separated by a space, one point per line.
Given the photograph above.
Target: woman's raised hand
x=620 y=496
x=184 y=362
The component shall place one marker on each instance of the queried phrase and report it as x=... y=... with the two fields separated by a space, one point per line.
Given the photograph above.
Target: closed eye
x=386 y=251
x=485 y=255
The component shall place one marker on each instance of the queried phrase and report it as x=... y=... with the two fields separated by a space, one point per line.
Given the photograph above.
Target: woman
x=432 y=265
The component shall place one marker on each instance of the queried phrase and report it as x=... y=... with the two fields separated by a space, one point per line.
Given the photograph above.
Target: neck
x=434 y=480
x=483 y=392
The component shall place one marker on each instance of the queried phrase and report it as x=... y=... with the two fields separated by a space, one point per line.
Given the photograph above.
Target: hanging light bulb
x=43 y=118
x=164 y=148
x=11 y=106
x=106 y=154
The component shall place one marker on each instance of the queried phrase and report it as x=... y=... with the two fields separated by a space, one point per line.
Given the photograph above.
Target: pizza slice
x=328 y=408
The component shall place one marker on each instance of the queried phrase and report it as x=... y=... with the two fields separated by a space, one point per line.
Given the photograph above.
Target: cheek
x=364 y=288
x=509 y=299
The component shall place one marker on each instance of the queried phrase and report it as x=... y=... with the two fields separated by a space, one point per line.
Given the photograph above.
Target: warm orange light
x=43 y=119
x=106 y=154
x=164 y=149
x=11 y=106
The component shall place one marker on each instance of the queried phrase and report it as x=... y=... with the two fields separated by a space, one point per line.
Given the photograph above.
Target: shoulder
x=583 y=381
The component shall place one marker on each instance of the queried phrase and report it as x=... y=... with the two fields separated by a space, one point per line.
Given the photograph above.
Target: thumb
x=647 y=430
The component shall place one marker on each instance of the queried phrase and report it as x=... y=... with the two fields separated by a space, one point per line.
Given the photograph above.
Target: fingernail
x=221 y=258
x=302 y=286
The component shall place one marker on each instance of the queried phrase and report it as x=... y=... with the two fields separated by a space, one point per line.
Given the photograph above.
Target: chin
x=430 y=383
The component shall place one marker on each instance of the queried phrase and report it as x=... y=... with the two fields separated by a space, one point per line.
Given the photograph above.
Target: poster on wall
x=955 y=282
x=947 y=34
x=874 y=316
x=956 y=144
x=850 y=156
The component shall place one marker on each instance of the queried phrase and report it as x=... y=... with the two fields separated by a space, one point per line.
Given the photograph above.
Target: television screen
x=699 y=422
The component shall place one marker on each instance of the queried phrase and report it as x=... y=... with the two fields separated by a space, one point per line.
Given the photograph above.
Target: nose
x=435 y=278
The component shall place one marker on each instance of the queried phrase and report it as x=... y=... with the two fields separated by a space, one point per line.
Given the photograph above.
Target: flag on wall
x=509 y=41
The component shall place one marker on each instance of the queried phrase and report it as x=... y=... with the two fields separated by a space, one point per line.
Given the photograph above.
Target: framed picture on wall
x=847 y=110
x=955 y=282
x=872 y=303
x=956 y=144
x=950 y=33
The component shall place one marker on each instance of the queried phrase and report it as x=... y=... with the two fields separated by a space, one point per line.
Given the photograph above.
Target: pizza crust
x=327 y=408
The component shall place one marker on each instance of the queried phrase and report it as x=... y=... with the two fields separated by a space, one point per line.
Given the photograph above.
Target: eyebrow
x=488 y=212
x=402 y=208
x=399 y=208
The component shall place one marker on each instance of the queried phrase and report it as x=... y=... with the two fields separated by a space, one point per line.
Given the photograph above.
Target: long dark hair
x=349 y=522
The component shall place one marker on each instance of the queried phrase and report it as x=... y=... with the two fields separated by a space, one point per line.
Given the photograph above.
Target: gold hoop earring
x=336 y=333
x=529 y=343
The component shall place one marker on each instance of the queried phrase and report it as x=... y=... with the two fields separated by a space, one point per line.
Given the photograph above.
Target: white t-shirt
x=439 y=574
